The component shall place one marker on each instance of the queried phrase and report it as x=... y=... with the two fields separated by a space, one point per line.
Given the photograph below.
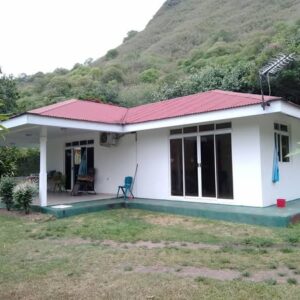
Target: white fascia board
x=74 y=124
x=15 y=122
x=29 y=119
x=215 y=116
x=290 y=109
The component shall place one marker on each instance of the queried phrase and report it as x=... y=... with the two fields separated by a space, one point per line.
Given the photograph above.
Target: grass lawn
x=133 y=254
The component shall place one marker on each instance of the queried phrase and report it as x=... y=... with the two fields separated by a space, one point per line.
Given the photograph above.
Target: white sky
x=42 y=35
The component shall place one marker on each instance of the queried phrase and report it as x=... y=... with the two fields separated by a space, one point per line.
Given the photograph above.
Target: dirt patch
x=279 y=275
x=168 y=220
x=159 y=245
x=191 y=272
x=32 y=216
x=72 y=242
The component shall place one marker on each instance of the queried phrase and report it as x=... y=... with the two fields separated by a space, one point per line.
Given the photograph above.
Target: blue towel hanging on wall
x=275 y=173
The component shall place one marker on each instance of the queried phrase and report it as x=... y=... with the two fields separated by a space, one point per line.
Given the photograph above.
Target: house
x=214 y=147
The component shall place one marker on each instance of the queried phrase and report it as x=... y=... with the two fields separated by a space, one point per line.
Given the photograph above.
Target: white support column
x=43 y=167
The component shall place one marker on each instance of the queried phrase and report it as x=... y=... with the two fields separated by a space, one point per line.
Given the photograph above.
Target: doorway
x=78 y=160
x=202 y=166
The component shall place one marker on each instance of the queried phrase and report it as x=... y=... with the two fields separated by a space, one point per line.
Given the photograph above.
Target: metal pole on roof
x=271 y=69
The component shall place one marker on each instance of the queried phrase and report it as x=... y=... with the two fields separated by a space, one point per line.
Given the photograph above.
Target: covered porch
x=53 y=136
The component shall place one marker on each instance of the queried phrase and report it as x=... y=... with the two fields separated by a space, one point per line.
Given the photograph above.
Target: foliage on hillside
x=189 y=46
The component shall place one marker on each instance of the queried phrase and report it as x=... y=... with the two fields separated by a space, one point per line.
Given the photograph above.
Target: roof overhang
x=37 y=120
x=22 y=124
x=276 y=106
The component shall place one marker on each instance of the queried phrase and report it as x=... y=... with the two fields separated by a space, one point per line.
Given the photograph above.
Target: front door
x=77 y=160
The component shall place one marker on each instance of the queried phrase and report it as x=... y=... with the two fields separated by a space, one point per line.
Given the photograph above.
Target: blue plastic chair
x=126 y=188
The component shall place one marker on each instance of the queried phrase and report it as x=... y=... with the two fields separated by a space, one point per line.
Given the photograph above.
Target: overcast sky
x=41 y=35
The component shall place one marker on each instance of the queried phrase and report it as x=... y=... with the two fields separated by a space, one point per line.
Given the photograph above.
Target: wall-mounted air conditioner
x=108 y=139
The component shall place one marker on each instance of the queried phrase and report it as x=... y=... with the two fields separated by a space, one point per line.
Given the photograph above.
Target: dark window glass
x=283 y=128
x=285 y=148
x=279 y=146
x=176 y=167
x=90 y=142
x=83 y=142
x=207 y=127
x=223 y=125
x=190 y=129
x=68 y=165
x=208 y=166
x=68 y=144
x=224 y=166
x=191 y=166
x=276 y=126
x=75 y=143
x=175 y=131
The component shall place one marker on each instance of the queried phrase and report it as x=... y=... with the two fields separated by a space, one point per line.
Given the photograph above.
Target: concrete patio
x=56 y=198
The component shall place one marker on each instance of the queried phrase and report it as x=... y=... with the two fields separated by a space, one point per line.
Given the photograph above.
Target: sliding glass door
x=190 y=166
x=224 y=166
x=214 y=172
x=208 y=178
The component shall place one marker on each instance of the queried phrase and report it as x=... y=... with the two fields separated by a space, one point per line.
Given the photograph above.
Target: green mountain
x=188 y=46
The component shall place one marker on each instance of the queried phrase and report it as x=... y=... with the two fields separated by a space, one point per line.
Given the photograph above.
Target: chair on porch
x=85 y=183
x=126 y=188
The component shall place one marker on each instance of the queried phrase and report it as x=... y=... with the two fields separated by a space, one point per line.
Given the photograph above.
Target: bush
x=23 y=195
x=111 y=54
x=7 y=185
x=149 y=76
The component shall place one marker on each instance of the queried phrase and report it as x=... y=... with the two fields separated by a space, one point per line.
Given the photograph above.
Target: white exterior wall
x=153 y=158
x=247 y=185
x=288 y=186
x=252 y=159
x=153 y=180
x=112 y=164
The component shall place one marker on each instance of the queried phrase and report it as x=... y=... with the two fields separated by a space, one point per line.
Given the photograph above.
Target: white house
x=212 y=147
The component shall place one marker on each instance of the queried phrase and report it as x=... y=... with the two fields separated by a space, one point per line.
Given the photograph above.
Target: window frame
x=282 y=131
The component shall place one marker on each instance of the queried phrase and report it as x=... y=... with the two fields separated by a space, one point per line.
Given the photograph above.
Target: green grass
x=67 y=258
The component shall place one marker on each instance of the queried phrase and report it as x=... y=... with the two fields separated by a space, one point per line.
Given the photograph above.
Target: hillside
x=188 y=46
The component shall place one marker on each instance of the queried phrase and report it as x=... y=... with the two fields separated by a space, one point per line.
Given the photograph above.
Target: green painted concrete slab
x=268 y=216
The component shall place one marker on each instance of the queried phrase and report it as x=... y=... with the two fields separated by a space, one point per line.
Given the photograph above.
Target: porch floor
x=67 y=198
x=268 y=216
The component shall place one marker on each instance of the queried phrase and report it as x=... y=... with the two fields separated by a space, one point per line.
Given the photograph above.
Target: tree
x=8 y=94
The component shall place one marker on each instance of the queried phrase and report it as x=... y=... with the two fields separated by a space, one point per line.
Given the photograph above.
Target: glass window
x=285 y=148
x=190 y=129
x=207 y=127
x=176 y=131
x=223 y=125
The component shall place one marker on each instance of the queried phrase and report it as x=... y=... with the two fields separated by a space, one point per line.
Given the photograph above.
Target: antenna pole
x=263 y=103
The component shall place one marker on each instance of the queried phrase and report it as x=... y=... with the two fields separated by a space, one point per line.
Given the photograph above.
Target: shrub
x=149 y=76
x=111 y=54
x=7 y=185
x=23 y=195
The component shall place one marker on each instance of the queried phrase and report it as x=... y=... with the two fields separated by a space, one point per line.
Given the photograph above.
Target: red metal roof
x=83 y=111
x=188 y=105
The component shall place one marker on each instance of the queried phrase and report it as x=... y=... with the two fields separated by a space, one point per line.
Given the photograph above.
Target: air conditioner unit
x=108 y=139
